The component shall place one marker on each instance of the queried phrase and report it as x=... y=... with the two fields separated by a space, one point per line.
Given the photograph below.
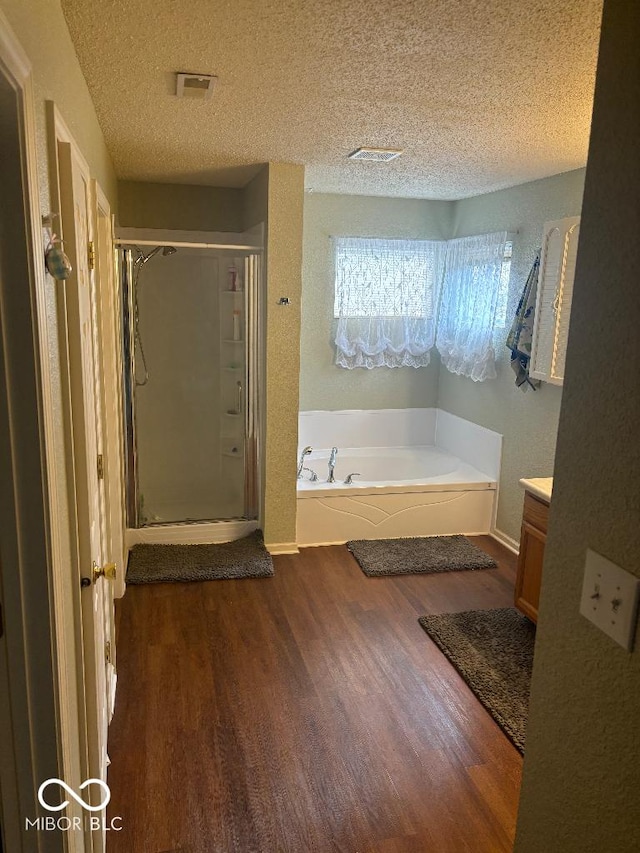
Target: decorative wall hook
x=47 y=220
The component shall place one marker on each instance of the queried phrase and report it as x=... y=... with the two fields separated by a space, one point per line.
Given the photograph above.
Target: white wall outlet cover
x=610 y=598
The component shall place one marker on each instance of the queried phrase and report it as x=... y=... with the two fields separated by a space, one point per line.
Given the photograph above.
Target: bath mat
x=418 y=555
x=244 y=558
x=493 y=651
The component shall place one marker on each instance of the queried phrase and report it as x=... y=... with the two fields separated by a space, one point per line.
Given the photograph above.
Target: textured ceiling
x=480 y=94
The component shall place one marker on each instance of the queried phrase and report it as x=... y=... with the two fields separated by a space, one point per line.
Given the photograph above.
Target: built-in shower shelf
x=231 y=341
x=233 y=369
x=232 y=415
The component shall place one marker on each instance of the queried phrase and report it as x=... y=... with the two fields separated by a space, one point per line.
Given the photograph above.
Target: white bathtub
x=415 y=490
x=389 y=469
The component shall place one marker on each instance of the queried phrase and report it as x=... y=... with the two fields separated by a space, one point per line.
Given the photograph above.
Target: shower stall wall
x=191 y=344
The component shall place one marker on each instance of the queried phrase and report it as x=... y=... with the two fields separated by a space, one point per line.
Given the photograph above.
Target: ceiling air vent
x=198 y=86
x=378 y=155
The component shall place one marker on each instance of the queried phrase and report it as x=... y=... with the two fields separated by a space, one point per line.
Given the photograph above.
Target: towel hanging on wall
x=521 y=334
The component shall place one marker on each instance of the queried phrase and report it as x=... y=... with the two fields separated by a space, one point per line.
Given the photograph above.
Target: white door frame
x=38 y=671
x=65 y=160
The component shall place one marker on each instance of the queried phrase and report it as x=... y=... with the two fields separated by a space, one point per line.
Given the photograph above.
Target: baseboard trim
x=275 y=548
x=512 y=544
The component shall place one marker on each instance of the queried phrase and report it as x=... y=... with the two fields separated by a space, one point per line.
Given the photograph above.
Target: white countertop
x=541 y=487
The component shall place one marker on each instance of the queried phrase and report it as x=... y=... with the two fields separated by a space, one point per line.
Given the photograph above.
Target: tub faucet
x=332 y=465
x=304 y=453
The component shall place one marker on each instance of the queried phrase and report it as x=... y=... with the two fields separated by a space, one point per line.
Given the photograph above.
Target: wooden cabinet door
x=553 y=304
x=527 y=592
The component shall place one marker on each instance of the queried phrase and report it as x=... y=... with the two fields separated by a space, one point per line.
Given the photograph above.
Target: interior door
x=82 y=335
x=108 y=324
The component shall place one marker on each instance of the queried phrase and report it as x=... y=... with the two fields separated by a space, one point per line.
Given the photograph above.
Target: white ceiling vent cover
x=198 y=86
x=378 y=155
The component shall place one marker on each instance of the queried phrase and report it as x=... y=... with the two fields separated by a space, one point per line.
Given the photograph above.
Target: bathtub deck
x=306 y=712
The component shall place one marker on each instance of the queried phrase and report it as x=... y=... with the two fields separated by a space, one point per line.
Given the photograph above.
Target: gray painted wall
x=322 y=384
x=528 y=421
x=581 y=769
x=181 y=207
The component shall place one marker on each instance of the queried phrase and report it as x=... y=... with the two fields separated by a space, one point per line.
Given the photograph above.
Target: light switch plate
x=610 y=598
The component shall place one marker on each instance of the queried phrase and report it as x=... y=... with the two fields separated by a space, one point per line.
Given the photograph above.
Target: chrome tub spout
x=304 y=453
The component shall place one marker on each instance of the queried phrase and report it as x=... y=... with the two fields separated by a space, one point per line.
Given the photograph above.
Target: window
x=395 y=299
x=386 y=298
x=474 y=303
x=385 y=278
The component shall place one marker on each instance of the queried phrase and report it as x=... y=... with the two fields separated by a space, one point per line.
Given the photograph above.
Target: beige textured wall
x=528 y=421
x=42 y=30
x=322 y=384
x=179 y=207
x=276 y=196
x=582 y=770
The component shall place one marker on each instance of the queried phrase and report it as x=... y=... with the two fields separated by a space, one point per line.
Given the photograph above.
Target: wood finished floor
x=306 y=712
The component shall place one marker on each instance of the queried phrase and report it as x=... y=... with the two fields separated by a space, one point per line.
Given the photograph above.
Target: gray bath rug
x=418 y=555
x=493 y=651
x=244 y=558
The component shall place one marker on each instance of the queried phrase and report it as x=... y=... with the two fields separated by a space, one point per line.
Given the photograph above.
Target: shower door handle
x=239 y=401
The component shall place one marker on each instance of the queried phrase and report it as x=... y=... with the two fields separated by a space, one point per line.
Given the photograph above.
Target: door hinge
x=100 y=466
x=91 y=255
x=107 y=651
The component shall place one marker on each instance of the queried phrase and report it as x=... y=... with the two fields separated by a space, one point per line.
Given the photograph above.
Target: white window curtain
x=386 y=301
x=471 y=292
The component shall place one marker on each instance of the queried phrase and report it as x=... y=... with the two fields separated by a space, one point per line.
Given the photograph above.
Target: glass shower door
x=192 y=396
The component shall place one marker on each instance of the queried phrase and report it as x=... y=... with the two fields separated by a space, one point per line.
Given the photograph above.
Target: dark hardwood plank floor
x=306 y=712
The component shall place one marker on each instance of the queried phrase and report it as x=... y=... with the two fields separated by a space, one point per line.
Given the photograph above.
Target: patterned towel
x=521 y=334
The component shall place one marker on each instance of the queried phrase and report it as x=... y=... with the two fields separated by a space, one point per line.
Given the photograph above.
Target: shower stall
x=192 y=319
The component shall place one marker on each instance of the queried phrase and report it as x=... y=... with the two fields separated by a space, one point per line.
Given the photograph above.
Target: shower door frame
x=254 y=306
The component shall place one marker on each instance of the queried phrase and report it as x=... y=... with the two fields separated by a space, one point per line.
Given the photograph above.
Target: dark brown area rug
x=244 y=558
x=493 y=651
x=420 y=555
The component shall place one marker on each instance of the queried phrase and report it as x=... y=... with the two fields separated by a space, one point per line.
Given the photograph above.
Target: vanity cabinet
x=553 y=303
x=533 y=537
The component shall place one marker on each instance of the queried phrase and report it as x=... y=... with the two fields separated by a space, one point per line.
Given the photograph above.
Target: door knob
x=108 y=571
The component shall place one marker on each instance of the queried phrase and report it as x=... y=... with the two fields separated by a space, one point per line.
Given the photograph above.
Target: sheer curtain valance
x=386 y=301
